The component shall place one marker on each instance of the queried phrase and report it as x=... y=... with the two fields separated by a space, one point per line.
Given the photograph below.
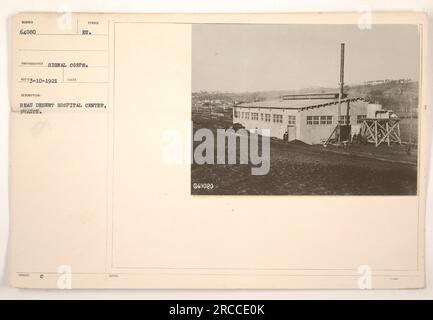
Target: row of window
x=291 y=120
x=277 y=118
x=317 y=120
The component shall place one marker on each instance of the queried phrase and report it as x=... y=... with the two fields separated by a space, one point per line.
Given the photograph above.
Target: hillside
x=402 y=98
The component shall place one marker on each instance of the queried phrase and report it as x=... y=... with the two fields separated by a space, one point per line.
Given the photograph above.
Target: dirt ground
x=299 y=169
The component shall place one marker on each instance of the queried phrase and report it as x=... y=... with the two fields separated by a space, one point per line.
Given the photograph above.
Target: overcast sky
x=228 y=57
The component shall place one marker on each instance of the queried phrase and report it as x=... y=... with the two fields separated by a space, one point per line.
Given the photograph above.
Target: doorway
x=291 y=131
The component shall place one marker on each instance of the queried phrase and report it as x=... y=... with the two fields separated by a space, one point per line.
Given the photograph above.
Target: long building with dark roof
x=308 y=118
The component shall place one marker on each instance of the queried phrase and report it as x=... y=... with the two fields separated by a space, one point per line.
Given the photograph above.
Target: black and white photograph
x=285 y=109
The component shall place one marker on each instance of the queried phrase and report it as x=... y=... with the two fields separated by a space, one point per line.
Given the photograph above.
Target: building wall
x=318 y=133
x=308 y=133
x=277 y=128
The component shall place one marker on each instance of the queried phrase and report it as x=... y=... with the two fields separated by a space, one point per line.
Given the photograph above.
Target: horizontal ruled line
x=43 y=66
x=77 y=50
x=69 y=34
x=63 y=82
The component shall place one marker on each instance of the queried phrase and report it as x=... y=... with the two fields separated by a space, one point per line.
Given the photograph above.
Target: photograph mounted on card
x=218 y=150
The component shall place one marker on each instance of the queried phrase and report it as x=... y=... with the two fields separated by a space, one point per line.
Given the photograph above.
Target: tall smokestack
x=342 y=70
x=340 y=95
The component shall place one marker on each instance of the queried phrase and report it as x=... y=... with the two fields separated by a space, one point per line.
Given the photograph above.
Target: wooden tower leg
x=398 y=133
x=375 y=133
x=387 y=134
